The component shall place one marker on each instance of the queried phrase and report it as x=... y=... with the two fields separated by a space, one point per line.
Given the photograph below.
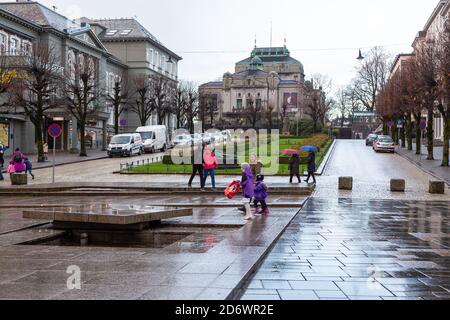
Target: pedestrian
x=197 y=166
x=311 y=167
x=209 y=166
x=294 y=168
x=2 y=161
x=19 y=161
x=46 y=151
x=256 y=165
x=261 y=195
x=29 y=167
x=248 y=189
x=11 y=169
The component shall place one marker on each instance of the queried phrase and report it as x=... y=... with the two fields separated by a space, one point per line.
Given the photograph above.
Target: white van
x=154 y=138
x=125 y=145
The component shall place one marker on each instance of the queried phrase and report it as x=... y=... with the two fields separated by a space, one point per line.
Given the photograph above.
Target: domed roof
x=227 y=74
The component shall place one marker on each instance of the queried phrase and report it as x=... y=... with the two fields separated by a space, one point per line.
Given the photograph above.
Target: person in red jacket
x=209 y=165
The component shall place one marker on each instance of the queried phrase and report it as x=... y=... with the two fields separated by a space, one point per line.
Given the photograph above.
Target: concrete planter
x=19 y=179
x=437 y=187
x=346 y=183
x=398 y=185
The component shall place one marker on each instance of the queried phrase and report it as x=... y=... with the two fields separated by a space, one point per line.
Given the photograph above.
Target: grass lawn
x=160 y=168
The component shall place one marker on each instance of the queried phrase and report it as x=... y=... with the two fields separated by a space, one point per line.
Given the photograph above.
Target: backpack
x=17 y=158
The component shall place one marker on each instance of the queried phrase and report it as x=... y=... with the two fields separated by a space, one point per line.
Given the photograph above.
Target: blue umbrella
x=309 y=149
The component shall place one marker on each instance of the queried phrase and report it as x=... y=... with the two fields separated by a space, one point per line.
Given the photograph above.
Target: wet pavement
x=365 y=244
x=217 y=251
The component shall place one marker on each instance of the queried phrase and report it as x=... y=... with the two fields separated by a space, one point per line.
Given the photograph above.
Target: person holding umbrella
x=294 y=164
x=311 y=166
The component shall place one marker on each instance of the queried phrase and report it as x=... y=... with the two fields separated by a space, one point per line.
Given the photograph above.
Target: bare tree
x=192 y=106
x=283 y=117
x=268 y=115
x=444 y=88
x=371 y=77
x=179 y=106
x=7 y=76
x=37 y=87
x=427 y=86
x=343 y=104
x=82 y=93
x=252 y=112
x=162 y=91
x=143 y=103
x=207 y=109
x=118 y=96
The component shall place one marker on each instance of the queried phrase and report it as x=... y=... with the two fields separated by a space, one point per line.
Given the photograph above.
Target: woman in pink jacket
x=210 y=163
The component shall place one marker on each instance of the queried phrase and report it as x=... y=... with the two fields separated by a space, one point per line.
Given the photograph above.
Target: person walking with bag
x=261 y=195
x=248 y=189
x=19 y=161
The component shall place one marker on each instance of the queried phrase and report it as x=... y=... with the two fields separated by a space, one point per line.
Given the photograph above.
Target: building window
x=125 y=32
x=156 y=61
x=163 y=63
x=150 y=56
x=14 y=44
x=258 y=103
x=111 y=32
x=26 y=48
x=239 y=104
x=3 y=43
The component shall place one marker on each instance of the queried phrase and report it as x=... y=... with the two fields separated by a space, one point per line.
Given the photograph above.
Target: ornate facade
x=269 y=80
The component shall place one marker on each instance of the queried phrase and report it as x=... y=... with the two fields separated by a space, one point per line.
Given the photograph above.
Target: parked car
x=217 y=137
x=125 y=145
x=384 y=143
x=196 y=138
x=226 y=135
x=154 y=138
x=207 y=138
x=371 y=139
x=181 y=140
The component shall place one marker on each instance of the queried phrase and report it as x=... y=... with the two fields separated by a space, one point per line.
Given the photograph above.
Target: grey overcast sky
x=324 y=35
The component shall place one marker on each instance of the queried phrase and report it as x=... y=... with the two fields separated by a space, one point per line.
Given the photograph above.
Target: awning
x=19 y=117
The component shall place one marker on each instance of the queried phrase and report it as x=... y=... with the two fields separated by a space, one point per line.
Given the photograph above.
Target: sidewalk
x=431 y=166
x=63 y=158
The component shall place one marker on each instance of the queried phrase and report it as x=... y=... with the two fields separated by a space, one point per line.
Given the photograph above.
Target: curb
x=326 y=160
x=70 y=162
x=421 y=168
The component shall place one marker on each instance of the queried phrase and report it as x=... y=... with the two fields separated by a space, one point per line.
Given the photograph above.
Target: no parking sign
x=54 y=130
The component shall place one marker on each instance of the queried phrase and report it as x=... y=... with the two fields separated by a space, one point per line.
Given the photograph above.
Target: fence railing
x=126 y=167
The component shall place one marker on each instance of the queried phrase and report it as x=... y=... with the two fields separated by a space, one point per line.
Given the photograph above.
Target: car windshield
x=180 y=138
x=146 y=135
x=386 y=140
x=121 y=140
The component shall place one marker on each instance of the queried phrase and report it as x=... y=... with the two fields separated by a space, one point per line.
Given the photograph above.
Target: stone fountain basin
x=106 y=215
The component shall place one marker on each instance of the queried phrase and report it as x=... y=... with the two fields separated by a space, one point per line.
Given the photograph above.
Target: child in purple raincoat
x=261 y=195
x=248 y=189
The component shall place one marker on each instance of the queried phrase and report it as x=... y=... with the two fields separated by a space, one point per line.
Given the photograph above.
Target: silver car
x=384 y=144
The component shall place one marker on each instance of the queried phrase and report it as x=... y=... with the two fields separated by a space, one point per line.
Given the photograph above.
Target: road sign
x=58 y=118
x=390 y=124
x=54 y=130
x=123 y=122
x=400 y=124
x=423 y=125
